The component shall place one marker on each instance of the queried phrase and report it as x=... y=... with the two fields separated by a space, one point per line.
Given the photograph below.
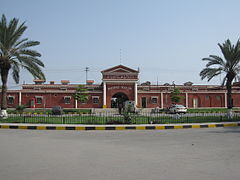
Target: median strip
x=115 y=127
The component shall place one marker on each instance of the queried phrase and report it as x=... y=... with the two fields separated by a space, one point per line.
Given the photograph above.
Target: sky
x=165 y=39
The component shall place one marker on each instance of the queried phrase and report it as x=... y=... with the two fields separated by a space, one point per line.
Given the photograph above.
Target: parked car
x=177 y=108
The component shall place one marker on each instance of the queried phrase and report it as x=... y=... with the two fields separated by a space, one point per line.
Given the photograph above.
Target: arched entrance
x=117 y=99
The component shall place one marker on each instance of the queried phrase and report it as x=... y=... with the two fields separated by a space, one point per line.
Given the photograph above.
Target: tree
x=81 y=94
x=15 y=53
x=229 y=66
x=175 y=96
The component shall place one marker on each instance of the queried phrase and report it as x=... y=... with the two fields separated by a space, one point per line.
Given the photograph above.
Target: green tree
x=229 y=66
x=81 y=94
x=175 y=96
x=15 y=53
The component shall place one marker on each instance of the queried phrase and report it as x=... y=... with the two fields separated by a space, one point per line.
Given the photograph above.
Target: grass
x=134 y=119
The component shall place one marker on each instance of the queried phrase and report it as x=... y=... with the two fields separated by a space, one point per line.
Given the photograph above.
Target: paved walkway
x=184 y=154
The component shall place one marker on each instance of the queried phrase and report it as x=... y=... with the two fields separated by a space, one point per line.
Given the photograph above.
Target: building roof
x=120 y=69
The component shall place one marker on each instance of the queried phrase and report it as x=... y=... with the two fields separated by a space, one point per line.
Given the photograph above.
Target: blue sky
x=166 y=39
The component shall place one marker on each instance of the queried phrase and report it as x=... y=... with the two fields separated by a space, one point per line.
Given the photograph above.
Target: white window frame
x=8 y=97
x=153 y=97
x=67 y=97
x=93 y=97
x=39 y=97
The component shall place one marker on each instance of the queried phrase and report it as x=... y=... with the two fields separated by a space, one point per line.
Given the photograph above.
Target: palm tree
x=229 y=66
x=15 y=54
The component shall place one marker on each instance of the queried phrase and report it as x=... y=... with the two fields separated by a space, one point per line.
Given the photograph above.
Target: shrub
x=57 y=110
x=20 y=108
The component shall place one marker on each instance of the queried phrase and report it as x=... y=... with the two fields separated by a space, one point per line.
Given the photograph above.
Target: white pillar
x=225 y=95
x=20 y=98
x=104 y=95
x=135 y=94
x=76 y=104
x=161 y=100
x=186 y=100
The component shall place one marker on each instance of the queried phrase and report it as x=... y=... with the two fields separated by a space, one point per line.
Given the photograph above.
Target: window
x=207 y=97
x=10 y=99
x=95 y=99
x=154 y=100
x=218 y=98
x=67 y=99
x=39 y=99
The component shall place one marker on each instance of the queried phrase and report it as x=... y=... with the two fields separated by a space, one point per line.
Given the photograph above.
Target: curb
x=116 y=127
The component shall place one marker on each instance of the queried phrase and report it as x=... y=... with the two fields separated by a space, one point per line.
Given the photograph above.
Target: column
x=225 y=97
x=104 y=95
x=76 y=104
x=161 y=100
x=135 y=94
x=186 y=100
x=20 y=98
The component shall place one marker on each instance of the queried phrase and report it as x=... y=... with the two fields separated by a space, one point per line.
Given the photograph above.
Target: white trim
x=8 y=97
x=135 y=94
x=11 y=96
x=67 y=97
x=20 y=98
x=114 y=71
x=161 y=100
x=120 y=81
x=143 y=92
x=154 y=97
x=76 y=104
x=104 y=94
x=95 y=97
x=186 y=100
x=225 y=99
x=40 y=97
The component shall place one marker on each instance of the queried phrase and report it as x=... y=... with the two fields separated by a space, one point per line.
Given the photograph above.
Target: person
x=120 y=107
x=120 y=104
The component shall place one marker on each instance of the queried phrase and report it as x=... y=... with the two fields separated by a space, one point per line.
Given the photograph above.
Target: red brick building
x=119 y=81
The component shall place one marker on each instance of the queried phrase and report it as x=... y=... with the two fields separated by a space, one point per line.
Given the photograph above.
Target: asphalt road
x=186 y=154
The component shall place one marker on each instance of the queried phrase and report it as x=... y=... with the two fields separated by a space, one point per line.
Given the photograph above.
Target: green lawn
x=134 y=119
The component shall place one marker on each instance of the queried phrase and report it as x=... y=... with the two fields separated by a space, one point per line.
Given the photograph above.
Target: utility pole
x=86 y=69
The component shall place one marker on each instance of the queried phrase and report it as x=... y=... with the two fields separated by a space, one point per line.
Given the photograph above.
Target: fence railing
x=113 y=118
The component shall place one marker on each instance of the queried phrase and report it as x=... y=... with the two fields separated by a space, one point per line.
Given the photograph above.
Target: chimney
x=52 y=82
x=39 y=81
x=65 y=82
x=89 y=82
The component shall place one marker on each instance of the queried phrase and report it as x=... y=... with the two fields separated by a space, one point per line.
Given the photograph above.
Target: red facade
x=119 y=80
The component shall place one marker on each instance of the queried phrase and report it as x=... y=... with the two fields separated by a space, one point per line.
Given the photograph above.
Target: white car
x=177 y=108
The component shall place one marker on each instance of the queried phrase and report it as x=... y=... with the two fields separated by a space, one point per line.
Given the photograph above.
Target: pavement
x=182 y=154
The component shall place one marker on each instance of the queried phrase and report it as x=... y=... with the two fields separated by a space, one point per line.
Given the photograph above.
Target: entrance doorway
x=195 y=103
x=144 y=102
x=118 y=98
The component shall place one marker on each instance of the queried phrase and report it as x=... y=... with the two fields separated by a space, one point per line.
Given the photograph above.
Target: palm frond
x=35 y=71
x=15 y=71
x=16 y=35
x=17 y=43
x=30 y=61
x=209 y=73
x=29 y=52
x=27 y=44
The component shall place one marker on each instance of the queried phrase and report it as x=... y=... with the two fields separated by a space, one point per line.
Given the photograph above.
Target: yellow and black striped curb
x=117 y=127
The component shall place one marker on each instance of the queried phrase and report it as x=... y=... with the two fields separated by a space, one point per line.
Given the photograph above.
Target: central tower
x=119 y=80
